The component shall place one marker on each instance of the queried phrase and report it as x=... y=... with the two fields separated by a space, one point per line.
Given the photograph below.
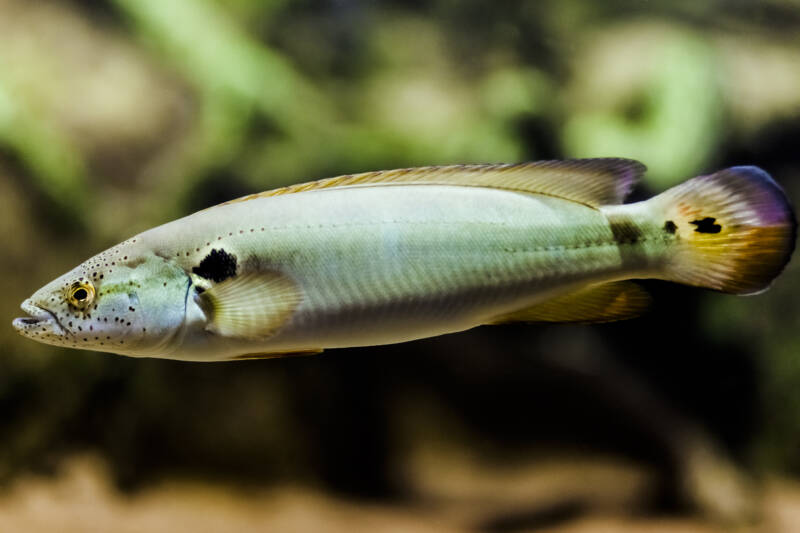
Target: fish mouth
x=37 y=316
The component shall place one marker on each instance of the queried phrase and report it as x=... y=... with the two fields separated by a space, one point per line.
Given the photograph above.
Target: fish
x=391 y=256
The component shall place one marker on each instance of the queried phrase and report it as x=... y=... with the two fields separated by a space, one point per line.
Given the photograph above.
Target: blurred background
x=119 y=115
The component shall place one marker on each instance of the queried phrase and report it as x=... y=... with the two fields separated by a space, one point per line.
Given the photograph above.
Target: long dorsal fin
x=251 y=306
x=593 y=182
x=607 y=302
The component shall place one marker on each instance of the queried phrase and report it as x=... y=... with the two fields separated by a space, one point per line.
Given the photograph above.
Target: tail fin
x=735 y=230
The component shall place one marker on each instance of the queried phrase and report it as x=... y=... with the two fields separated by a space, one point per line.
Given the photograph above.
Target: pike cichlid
x=386 y=257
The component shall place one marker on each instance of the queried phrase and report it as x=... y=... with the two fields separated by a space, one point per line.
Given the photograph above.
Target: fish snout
x=39 y=322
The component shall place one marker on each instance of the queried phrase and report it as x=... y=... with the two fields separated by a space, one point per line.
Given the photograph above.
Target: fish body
x=379 y=265
x=382 y=258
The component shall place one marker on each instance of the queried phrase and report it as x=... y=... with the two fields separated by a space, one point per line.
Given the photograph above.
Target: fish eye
x=81 y=294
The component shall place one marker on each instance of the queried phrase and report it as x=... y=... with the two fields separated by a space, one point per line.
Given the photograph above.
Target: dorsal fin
x=607 y=302
x=593 y=182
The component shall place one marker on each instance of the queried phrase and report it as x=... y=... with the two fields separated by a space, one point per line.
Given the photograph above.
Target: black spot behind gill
x=670 y=227
x=706 y=225
x=217 y=266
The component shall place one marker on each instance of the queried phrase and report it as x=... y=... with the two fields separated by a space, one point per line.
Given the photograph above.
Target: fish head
x=120 y=301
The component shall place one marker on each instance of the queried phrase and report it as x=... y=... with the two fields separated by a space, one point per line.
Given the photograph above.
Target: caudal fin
x=735 y=230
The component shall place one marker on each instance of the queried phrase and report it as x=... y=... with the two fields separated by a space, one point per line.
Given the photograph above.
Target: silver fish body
x=390 y=264
x=369 y=264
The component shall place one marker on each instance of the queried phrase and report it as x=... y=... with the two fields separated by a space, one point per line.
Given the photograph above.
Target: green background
x=119 y=115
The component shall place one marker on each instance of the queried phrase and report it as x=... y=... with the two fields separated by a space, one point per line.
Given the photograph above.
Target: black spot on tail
x=217 y=266
x=706 y=225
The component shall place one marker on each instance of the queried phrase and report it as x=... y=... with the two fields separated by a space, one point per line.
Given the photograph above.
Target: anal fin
x=252 y=356
x=607 y=302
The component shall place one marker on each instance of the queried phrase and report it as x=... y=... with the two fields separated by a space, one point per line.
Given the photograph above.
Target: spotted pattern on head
x=96 y=324
x=76 y=316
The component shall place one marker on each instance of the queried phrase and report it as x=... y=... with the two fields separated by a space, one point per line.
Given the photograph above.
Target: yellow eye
x=81 y=294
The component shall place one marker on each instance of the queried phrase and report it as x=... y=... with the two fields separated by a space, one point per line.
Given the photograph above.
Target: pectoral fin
x=608 y=302
x=251 y=306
